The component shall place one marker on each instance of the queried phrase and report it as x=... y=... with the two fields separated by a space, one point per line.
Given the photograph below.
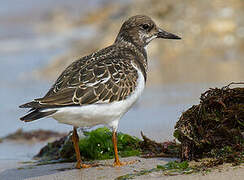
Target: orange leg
x=75 y=139
x=116 y=160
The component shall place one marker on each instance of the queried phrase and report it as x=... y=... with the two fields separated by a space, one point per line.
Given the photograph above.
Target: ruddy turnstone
x=101 y=87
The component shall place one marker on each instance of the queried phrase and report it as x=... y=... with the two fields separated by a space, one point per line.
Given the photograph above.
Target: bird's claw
x=118 y=163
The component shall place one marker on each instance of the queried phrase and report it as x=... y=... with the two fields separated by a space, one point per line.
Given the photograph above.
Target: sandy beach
x=105 y=171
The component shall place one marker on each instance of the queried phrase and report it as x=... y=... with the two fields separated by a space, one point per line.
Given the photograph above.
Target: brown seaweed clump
x=215 y=127
x=150 y=148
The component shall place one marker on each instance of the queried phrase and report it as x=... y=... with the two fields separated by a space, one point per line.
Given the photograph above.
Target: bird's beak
x=166 y=35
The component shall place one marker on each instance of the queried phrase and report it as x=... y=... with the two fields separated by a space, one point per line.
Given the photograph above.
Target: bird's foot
x=118 y=163
x=81 y=165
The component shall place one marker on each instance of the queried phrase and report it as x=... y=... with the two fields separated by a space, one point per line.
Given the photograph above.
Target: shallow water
x=22 y=51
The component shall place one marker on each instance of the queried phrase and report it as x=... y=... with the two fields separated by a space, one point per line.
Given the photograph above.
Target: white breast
x=94 y=114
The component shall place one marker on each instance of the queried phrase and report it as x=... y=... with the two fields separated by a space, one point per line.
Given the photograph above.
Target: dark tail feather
x=32 y=104
x=36 y=114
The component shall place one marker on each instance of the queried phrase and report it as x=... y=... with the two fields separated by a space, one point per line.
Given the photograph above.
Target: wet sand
x=106 y=171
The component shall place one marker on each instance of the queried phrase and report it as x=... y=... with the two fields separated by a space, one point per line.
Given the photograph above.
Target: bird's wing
x=102 y=81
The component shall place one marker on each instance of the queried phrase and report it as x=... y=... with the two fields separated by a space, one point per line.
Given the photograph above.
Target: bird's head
x=141 y=30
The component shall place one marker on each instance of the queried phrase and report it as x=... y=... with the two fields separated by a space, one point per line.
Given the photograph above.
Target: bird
x=98 y=89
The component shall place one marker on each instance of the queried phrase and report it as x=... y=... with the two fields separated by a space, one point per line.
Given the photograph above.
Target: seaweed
x=151 y=148
x=171 y=168
x=51 y=150
x=97 y=145
x=176 y=168
x=94 y=145
x=215 y=127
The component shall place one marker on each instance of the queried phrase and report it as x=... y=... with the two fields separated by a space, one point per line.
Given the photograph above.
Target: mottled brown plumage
x=104 y=76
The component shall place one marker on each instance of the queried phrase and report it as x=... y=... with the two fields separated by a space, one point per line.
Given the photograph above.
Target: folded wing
x=105 y=81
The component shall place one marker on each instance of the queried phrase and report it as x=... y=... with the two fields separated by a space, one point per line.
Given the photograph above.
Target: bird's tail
x=36 y=114
x=36 y=111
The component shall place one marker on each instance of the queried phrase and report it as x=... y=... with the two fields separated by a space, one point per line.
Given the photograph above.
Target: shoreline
x=105 y=170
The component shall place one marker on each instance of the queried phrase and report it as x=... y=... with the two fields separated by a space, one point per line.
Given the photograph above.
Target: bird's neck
x=139 y=53
x=132 y=38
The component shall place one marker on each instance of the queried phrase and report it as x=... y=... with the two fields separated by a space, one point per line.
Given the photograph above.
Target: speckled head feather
x=141 y=30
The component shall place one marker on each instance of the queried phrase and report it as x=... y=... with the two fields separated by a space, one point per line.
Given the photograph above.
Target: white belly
x=94 y=114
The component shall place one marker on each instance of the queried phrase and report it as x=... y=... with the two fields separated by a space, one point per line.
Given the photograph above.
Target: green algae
x=98 y=144
x=171 y=168
x=174 y=165
x=94 y=145
x=134 y=175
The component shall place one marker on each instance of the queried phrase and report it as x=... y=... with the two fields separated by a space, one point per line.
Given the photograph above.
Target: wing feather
x=90 y=80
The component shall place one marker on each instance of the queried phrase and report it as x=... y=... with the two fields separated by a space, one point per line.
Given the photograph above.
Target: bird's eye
x=145 y=26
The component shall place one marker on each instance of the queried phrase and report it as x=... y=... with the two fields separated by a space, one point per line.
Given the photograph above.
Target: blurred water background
x=38 y=39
